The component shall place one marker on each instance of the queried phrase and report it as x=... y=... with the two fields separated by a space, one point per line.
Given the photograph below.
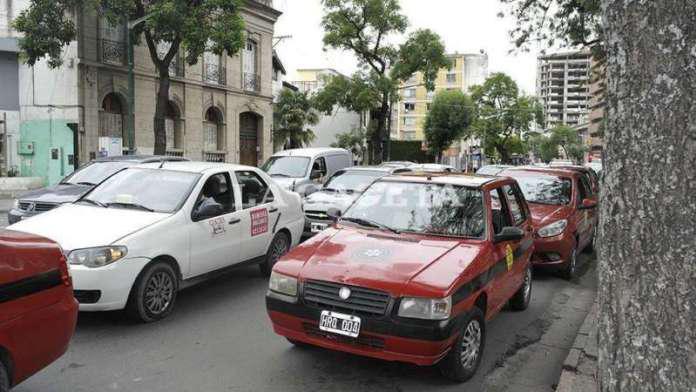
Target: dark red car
x=410 y=272
x=37 y=309
x=564 y=214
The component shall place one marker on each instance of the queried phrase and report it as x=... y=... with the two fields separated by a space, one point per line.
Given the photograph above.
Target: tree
x=294 y=112
x=448 y=120
x=354 y=141
x=568 y=140
x=366 y=28
x=193 y=26
x=502 y=113
x=647 y=252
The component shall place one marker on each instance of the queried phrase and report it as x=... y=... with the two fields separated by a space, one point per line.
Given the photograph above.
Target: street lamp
x=131 y=80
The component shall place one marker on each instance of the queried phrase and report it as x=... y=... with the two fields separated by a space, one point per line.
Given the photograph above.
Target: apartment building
x=597 y=107
x=563 y=86
x=219 y=109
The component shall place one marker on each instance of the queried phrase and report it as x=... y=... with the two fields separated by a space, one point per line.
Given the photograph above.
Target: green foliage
x=568 y=140
x=367 y=28
x=354 y=141
x=448 y=120
x=542 y=147
x=294 y=112
x=571 y=23
x=503 y=115
x=407 y=150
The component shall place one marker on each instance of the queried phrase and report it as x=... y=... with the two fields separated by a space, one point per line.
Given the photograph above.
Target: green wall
x=46 y=135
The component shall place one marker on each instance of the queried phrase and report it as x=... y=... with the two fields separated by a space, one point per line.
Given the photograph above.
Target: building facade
x=219 y=109
x=563 y=86
x=597 y=111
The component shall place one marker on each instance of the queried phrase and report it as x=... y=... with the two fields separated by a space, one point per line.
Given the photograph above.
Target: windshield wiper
x=96 y=203
x=130 y=205
x=371 y=223
x=279 y=175
x=86 y=183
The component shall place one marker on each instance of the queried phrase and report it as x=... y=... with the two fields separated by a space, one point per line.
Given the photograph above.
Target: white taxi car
x=135 y=239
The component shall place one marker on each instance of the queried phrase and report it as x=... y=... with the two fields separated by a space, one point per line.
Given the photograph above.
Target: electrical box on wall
x=26 y=148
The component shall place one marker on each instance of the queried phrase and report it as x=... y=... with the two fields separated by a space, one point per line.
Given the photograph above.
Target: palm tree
x=294 y=111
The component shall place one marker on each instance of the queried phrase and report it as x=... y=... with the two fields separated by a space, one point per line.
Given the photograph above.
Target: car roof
x=461 y=179
x=367 y=169
x=140 y=158
x=195 y=167
x=553 y=171
x=309 y=152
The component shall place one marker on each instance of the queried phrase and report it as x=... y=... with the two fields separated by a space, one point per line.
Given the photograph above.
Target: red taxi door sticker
x=259 y=221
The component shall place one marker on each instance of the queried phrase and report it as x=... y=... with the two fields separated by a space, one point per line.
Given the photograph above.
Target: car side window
x=320 y=166
x=254 y=189
x=515 y=204
x=583 y=190
x=499 y=210
x=217 y=189
x=587 y=183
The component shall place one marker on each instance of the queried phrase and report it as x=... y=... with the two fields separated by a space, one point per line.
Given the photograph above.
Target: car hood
x=76 y=226
x=323 y=200
x=286 y=182
x=374 y=259
x=544 y=214
x=61 y=193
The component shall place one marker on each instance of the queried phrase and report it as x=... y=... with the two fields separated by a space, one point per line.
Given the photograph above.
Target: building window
x=173 y=130
x=176 y=67
x=452 y=78
x=410 y=93
x=252 y=80
x=213 y=131
x=213 y=71
x=409 y=107
x=409 y=121
x=112 y=42
x=111 y=117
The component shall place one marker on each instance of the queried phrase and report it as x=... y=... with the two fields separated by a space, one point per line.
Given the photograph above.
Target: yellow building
x=409 y=114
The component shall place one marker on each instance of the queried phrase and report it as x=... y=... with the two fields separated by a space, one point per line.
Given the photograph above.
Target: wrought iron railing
x=267 y=3
x=113 y=52
x=174 y=153
x=214 y=73
x=214 y=156
x=252 y=82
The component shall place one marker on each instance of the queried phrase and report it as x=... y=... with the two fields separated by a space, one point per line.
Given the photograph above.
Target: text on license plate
x=341 y=324
x=317 y=227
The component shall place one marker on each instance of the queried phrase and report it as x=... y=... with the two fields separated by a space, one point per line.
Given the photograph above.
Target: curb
x=575 y=375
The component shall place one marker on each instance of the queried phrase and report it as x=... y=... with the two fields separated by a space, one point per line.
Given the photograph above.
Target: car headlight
x=426 y=308
x=553 y=229
x=283 y=284
x=97 y=257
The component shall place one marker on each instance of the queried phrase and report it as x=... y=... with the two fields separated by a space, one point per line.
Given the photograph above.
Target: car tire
x=571 y=266
x=464 y=358
x=154 y=293
x=520 y=301
x=279 y=246
x=4 y=378
x=297 y=343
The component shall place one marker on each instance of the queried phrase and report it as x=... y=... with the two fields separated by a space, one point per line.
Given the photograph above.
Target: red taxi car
x=410 y=272
x=37 y=309
x=564 y=215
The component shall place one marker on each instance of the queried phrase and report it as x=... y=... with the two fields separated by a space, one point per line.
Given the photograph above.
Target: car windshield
x=420 y=208
x=544 y=189
x=95 y=172
x=490 y=170
x=295 y=167
x=352 y=181
x=154 y=190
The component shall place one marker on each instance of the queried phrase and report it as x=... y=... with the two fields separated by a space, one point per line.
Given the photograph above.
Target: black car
x=76 y=184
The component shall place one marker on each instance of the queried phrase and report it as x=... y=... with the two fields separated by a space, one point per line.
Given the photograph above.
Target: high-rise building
x=596 y=117
x=563 y=86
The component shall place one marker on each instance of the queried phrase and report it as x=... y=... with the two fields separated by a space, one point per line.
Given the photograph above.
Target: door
x=248 y=139
x=259 y=214
x=215 y=240
x=585 y=218
x=503 y=252
x=515 y=202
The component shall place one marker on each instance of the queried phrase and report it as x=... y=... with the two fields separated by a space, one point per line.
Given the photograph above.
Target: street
x=219 y=338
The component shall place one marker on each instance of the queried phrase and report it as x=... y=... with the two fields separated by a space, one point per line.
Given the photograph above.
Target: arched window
x=111 y=117
x=213 y=131
x=173 y=127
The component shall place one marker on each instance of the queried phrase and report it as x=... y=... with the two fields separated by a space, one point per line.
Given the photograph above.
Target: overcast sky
x=466 y=26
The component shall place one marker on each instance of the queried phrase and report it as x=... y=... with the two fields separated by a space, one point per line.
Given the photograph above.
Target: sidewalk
x=580 y=367
x=5 y=205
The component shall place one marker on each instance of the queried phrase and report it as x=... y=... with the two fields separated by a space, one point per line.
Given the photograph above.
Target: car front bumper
x=553 y=252
x=113 y=283
x=420 y=342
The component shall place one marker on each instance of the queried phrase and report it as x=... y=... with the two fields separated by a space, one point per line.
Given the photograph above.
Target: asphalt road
x=219 y=338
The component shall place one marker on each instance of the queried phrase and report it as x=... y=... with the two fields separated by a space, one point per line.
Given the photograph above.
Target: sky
x=466 y=26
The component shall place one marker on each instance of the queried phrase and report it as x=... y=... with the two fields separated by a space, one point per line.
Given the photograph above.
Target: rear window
x=544 y=189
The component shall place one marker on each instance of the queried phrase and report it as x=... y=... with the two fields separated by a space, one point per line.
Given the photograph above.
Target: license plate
x=341 y=324
x=317 y=227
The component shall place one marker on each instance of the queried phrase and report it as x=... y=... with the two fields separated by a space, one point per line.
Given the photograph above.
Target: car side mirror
x=315 y=175
x=207 y=211
x=587 y=204
x=509 y=233
x=334 y=214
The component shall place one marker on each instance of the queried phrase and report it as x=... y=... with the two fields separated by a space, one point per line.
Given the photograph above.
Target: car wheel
x=572 y=264
x=279 y=246
x=4 y=378
x=464 y=357
x=154 y=293
x=520 y=301
x=297 y=343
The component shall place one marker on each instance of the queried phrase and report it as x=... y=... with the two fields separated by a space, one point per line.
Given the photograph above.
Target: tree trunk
x=378 y=137
x=647 y=247
x=161 y=111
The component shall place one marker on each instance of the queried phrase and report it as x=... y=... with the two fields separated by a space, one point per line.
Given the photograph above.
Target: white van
x=304 y=170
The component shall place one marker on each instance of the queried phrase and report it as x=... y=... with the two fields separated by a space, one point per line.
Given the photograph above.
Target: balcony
x=215 y=74
x=173 y=152
x=113 y=52
x=252 y=82
x=214 y=156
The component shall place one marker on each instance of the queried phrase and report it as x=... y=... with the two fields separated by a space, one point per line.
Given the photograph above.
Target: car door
x=215 y=240
x=259 y=214
x=502 y=251
x=585 y=217
x=520 y=249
